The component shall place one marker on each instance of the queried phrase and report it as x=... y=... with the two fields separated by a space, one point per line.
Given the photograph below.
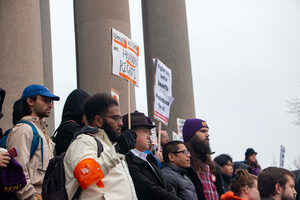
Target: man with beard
x=37 y=102
x=107 y=176
x=276 y=184
x=203 y=170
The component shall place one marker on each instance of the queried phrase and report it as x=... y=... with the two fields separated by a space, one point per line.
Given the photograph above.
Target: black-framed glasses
x=185 y=152
x=46 y=100
x=116 y=118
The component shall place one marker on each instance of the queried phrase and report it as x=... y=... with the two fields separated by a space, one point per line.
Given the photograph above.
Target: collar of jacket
x=138 y=160
x=86 y=129
x=39 y=123
x=175 y=168
x=226 y=178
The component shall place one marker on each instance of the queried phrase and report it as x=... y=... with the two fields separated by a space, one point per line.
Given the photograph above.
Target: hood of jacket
x=73 y=108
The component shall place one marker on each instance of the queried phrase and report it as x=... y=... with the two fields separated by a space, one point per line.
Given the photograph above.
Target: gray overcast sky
x=245 y=63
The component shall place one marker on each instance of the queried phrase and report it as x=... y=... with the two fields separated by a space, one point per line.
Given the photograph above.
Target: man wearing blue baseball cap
x=29 y=141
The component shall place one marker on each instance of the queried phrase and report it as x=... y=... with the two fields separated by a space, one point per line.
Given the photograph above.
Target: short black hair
x=222 y=159
x=169 y=148
x=269 y=177
x=97 y=104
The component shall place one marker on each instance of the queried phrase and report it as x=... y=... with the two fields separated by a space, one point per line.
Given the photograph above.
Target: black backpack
x=54 y=181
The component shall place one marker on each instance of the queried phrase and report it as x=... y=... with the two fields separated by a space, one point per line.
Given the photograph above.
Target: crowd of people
x=107 y=155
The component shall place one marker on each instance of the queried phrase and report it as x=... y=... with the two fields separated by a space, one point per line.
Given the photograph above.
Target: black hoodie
x=71 y=120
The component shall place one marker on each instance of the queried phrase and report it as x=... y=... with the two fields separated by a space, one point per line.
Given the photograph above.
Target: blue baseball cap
x=33 y=90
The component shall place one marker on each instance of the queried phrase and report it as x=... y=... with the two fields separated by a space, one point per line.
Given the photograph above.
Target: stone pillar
x=94 y=20
x=166 y=37
x=23 y=51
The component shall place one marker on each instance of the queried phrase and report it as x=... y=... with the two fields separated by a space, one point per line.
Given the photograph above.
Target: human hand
x=159 y=156
x=4 y=159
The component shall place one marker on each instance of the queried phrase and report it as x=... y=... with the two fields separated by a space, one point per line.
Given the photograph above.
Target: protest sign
x=177 y=136
x=162 y=92
x=282 y=153
x=162 y=104
x=125 y=54
x=180 y=123
x=115 y=95
x=163 y=78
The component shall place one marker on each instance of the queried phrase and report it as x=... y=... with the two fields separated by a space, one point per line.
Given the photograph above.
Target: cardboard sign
x=115 y=95
x=282 y=153
x=163 y=78
x=162 y=105
x=125 y=54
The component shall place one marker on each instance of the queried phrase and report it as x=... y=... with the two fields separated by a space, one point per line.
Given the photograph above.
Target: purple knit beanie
x=191 y=126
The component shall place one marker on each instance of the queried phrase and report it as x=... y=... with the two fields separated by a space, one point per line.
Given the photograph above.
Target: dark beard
x=201 y=149
x=112 y=135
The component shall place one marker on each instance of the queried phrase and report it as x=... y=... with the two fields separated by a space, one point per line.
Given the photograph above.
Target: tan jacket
x=117 y=181
x=20 y=137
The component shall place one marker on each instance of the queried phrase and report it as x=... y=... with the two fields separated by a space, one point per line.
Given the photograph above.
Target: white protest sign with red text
x=125 y=54
x=162 y=92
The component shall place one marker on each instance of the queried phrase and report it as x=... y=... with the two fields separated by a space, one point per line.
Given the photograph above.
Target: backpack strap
x=35 y=141
x=99 y=150
x=63 y=123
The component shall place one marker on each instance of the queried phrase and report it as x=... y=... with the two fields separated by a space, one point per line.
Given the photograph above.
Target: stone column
x=94 y=20
x=166 y=37
x=23 y=50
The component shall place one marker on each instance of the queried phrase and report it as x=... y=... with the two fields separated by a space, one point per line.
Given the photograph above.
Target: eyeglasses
x=116 y=118
x=46 y=100
x=185 y=152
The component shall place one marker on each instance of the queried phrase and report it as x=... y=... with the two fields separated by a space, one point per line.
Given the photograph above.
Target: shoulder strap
x=63 y=123
x=99 y=144
x=100 y=149
x=35 y=140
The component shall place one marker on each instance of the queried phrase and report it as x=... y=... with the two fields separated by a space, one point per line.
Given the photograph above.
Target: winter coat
x=71 y=121
x=117 y=182
x=180 y=183
x=148 y=181
x=222 y=182
x=21 y=137
x=192 y=174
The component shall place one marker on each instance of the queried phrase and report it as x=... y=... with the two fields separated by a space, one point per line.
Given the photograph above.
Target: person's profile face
x=113 y=118
x=289 y=192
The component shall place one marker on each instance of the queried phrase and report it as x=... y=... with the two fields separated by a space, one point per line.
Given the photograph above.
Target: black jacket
x=192 y=174
x=180 y=183
x=71 y=120
x=148 y=182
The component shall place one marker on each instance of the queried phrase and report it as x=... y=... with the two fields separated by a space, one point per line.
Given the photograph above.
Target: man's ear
x=98 y=120
x=278 y=188
x=246 y=189
x=171 y=157
x=30 y=102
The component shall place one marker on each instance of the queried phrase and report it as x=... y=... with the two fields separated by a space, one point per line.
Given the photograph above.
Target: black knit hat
x=249 y=152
